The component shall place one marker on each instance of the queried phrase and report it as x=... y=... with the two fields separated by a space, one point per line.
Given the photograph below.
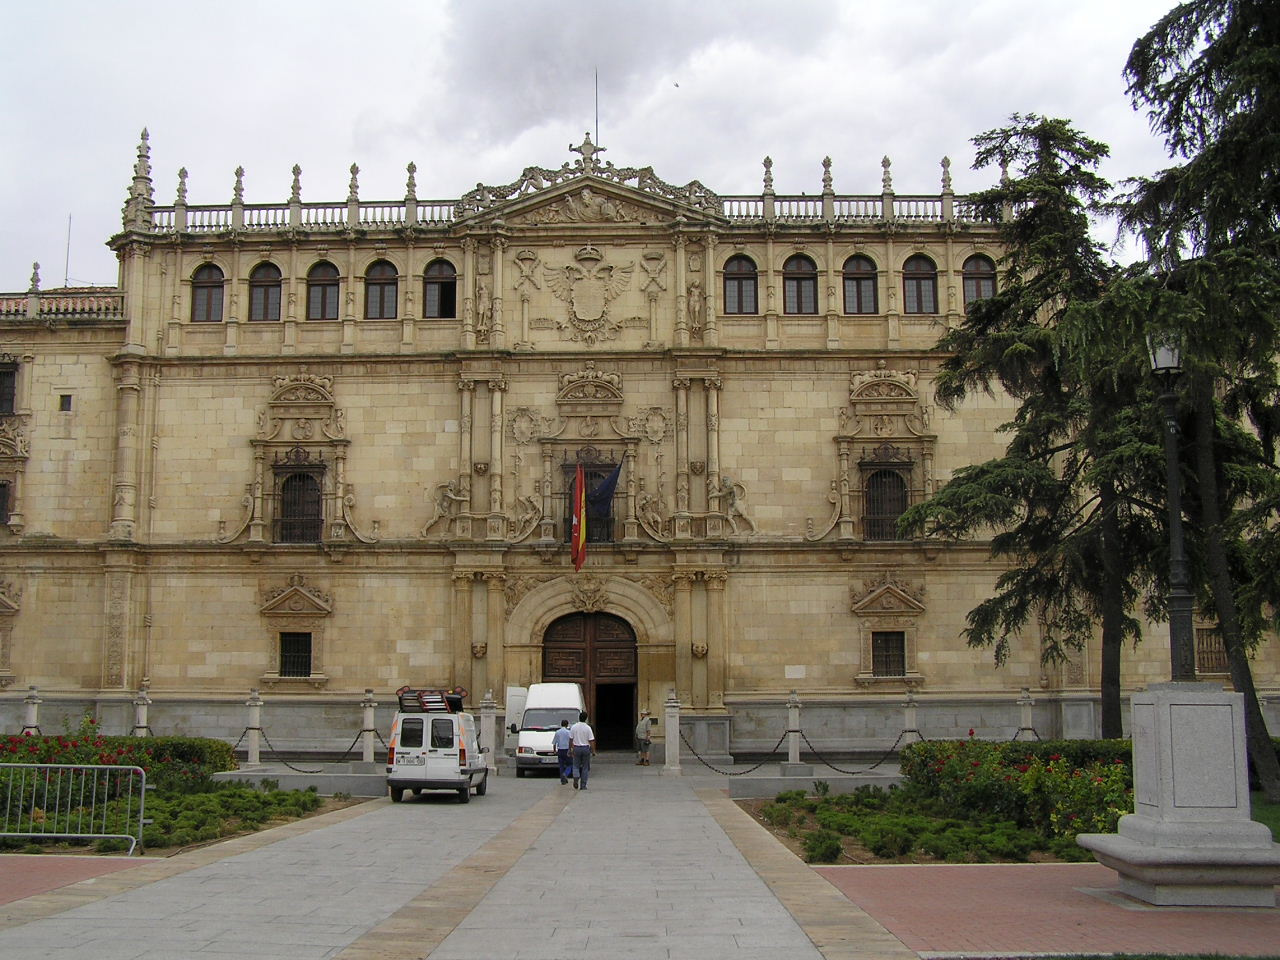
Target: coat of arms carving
x=587 y=286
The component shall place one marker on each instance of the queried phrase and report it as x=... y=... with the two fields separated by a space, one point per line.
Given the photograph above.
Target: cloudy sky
x=475 y=90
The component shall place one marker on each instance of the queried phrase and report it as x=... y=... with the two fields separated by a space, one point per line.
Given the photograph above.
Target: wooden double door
x=597 y=650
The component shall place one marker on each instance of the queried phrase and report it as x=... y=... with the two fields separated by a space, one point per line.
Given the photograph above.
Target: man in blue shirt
x=561 y=740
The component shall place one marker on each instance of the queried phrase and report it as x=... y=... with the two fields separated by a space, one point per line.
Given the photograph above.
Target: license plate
x=411 y=761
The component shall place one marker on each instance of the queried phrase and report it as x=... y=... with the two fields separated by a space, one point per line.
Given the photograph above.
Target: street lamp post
x=1166 y=364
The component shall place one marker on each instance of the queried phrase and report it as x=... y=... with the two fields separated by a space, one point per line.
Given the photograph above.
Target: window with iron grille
x=1211 y=653
x=919 y=285
x=300 y=518
x=380 y=289
x=206 y=295
x=799 y=285
x=599 y=515
x=4 y=501
x=888 y=653
x=295 y=654
x=322 y=292
x=440 y=290
x=860 y=285
x=979 y=279
x=264 y=292
x=740 y=285
x=886 y=501
x=8 y=387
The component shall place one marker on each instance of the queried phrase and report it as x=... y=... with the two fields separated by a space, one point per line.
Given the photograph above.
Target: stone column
x=125 y=483
x=715 y=521
x=349 y=302
x=683 y=581
x=258 y=496
x=793 y=767
x=254 y=728
x=717 y=608
x=462 y=525
x=408 y=328
x=489 y=662
x=772 y=340
x=497 y=525
x=140 y=704
x=631 y=524
x=367 y=729
x=671 y=721
x=683 y=528
x=844 y=455
x=467 y=285
x=910 y=724
x=711 y=322
x=462 y=583
x=292 y=285
x=118 y=618
x=681 y=338
x=497 y=331
x=547 y=526
x=31 y=711
x=488 y=730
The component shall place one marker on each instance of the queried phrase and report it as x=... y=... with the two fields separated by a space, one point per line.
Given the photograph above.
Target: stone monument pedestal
x=1190 y=840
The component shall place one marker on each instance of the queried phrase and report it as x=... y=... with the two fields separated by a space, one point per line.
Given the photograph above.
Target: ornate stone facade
x=181 y=456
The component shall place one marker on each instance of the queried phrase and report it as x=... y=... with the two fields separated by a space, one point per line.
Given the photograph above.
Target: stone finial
x=353 y=191
x=182 y=185
x=142 y=168
x=237 y=192
x=137 y=208
x=886 y=181
x=588 y=151
x=826 y=175
x=1004 y=173
x=295 y=192
x=411 y=185
x=768 y=174
x=946 y=174
x=35 y=278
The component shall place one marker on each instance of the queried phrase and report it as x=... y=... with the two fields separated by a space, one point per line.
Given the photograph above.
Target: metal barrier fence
x=73 y=801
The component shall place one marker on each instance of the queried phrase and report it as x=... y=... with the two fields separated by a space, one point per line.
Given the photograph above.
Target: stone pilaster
x=124 y=498
x=463 y=581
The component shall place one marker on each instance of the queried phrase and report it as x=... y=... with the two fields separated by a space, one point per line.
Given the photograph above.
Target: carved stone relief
x=587 y=286
x=10 y=594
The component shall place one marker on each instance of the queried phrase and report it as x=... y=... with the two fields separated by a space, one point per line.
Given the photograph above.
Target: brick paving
x=27 y=875
x=1018 y=909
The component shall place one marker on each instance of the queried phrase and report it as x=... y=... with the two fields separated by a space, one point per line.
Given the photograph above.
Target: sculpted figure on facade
x=733 y=496
x=445 y=502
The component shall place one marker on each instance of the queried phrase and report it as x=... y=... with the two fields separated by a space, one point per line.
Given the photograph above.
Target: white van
x=433 y=746
x=544 y=707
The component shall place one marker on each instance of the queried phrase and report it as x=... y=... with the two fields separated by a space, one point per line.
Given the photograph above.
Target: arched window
x=380 y=286
x=979 y=279
x=860 y=285
x=886 y=501
x=440 y=290
x=322 y=292
x=919 y=285
x=799 y=285
x=264 y=292
x=301 y=513
x=206 y=295
x=740 y=285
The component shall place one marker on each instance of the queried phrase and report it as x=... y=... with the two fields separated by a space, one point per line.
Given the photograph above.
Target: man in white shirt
x=584 y=748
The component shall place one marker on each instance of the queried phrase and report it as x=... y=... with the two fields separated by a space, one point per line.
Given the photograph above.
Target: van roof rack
x=430 y=700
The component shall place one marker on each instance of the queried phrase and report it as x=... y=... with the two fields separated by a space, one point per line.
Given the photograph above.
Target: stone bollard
x=140 y=703
x=367 y=729
x=488 y=725
x=1025 y=703
x=793 y=767
x=31 y=711
x=671 y=716
x=254 y=703
x=910 y=726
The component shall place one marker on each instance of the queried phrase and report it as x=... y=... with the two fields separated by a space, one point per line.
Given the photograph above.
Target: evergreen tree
x=1208 y=72
x=1058 y=500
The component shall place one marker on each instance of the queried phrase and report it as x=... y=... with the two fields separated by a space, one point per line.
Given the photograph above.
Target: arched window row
x=323 y=291
x=860 y=276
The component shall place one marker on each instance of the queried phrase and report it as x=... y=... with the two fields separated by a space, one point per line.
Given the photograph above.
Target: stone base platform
x=357 y=779
x=1183 y=876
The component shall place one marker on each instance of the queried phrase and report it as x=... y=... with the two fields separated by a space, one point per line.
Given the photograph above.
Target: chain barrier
x=731 y=773
x=271 y=748
x=1032 y=730
x=885 y=756
x=374 y=731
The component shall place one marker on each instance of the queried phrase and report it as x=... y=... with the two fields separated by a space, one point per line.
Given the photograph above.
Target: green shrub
x=776 y=814
x=793 y=797
x=822 y=846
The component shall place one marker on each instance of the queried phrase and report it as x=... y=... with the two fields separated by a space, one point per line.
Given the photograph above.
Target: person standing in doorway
x=562 y=742
x=584 y=748
x=644 y=739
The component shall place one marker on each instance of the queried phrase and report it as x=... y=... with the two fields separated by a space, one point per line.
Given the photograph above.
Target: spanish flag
x=578 y=532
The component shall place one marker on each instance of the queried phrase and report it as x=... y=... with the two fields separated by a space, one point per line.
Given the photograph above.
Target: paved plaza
x=640 y=866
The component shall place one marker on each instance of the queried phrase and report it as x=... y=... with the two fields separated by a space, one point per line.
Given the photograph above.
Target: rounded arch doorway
x=597 y=650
